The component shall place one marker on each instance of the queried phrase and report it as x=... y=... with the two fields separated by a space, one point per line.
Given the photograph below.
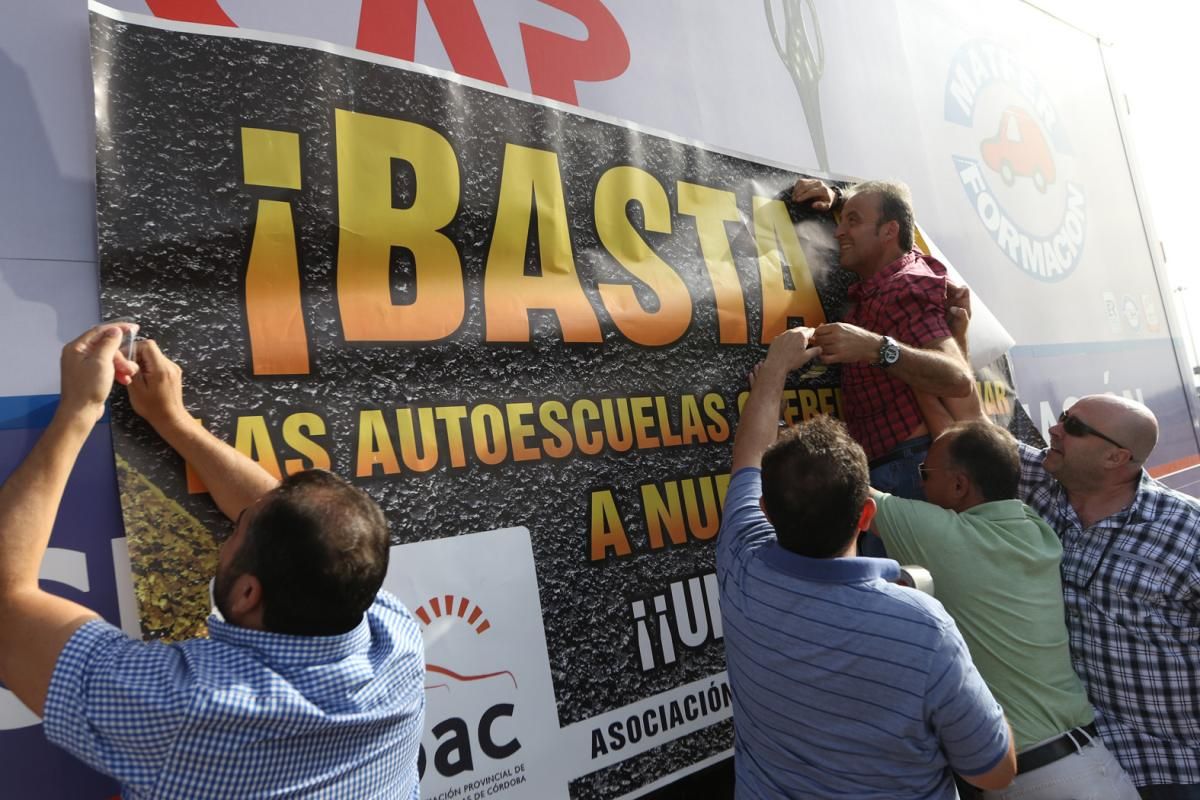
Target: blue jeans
x=896 y=474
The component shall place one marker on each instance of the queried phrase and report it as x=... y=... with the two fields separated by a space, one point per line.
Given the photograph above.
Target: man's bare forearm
x=934 y=371
x=758 y=427
x=29 y=499
x=234 y=480
x=35 y=625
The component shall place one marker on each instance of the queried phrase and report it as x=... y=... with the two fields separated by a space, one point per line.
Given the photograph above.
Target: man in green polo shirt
x=995 y=568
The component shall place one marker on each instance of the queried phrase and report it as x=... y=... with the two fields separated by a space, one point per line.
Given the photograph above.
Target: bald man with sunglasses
x=1131 y=582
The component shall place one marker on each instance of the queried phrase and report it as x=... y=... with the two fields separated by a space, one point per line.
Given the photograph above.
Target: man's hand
x=842 y=343
x=790 y=349
x=88 y=367
x=234 y=480
x=157 y=392
x=759 y=425
x=958 y=311
x=811 y=189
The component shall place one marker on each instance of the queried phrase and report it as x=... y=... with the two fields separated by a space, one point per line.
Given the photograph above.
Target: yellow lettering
x=297 y=430
x=607 y=532
x=663 y=515
x=488 y=423
x=552 y=414
x=254 y=440
x=519 y=431
x=427 y=458
x=374 y=445
x=371 y=226
x=453 y=416
x=712 y=208
x=781 y=262
x=616 y=189
x=509 y=294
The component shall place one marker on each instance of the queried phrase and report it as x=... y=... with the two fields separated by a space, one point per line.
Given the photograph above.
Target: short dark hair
x=319 y=547
x=895 y=205
x=815 y=483
x=988 y=454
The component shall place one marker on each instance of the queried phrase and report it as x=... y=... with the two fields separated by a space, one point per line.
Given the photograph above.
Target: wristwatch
x=889 y=352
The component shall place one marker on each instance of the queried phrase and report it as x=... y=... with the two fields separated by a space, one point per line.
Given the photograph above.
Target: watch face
x=889 y=353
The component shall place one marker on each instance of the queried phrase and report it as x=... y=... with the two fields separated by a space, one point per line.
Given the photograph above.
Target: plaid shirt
x=246 y=713
x=1132 y=589
x=907 y=301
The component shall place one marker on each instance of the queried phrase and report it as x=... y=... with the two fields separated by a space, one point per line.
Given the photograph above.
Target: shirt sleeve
x=744 y=526
x=968 y=721
x=116 y=703
x=1034 y=478
x=921 y=311
x=911 y=529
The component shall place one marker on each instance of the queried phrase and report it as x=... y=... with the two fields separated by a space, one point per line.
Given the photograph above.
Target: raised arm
x=759 y=425
x=35 y=625
x=937 y=368
x=235 y=480
x=942 y=412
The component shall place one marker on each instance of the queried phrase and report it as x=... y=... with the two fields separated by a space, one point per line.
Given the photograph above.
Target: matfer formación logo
x=1014 y=161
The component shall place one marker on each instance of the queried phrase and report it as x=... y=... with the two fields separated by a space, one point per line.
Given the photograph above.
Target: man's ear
x=962 y=484
x=246 y=601
x=891 y=230
x=867 y=514
x=762 y=505
x=1117 y=457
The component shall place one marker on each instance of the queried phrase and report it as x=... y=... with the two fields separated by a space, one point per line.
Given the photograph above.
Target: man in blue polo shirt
x=844 y=684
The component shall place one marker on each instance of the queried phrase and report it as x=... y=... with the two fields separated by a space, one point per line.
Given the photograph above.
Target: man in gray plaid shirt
x=1131 y=580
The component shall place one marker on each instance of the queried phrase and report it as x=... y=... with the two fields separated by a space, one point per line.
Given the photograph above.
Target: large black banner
x=491 y=313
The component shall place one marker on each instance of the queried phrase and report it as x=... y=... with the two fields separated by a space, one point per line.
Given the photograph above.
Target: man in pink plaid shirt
x=893 y=340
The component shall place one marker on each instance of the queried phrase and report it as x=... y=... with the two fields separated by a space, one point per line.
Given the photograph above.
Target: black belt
x=1069 y=743
x=903 y=450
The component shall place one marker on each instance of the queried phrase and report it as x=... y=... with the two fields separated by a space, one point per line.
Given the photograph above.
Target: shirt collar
x=283 y=648
x=830 y=570
x=865 y=288
x=998 y=510
x=1141 y=500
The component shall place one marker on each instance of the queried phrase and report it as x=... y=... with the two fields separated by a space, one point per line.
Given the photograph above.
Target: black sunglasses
x=1074 y=426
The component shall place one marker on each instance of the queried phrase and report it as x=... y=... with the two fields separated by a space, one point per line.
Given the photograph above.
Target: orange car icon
x=1019 y=150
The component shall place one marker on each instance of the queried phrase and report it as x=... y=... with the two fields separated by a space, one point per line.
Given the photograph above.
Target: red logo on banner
x=444 y=606
x=389 y=27
x=463 y=608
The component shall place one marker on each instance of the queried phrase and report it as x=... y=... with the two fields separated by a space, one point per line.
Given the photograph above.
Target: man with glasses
x=311 y=681
x=1131 y=581
x=995 y=567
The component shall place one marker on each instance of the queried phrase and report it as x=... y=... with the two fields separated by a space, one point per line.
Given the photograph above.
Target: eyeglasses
x=1074 y=426
x=924 y=471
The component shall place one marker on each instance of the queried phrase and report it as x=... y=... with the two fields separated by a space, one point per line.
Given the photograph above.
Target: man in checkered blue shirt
x=1131 y=580
x=311 y=683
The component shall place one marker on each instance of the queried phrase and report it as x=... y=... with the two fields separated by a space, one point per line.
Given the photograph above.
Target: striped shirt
x=907 y=301
x=843 y=684
x=246 y=713
x=1132 y=588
